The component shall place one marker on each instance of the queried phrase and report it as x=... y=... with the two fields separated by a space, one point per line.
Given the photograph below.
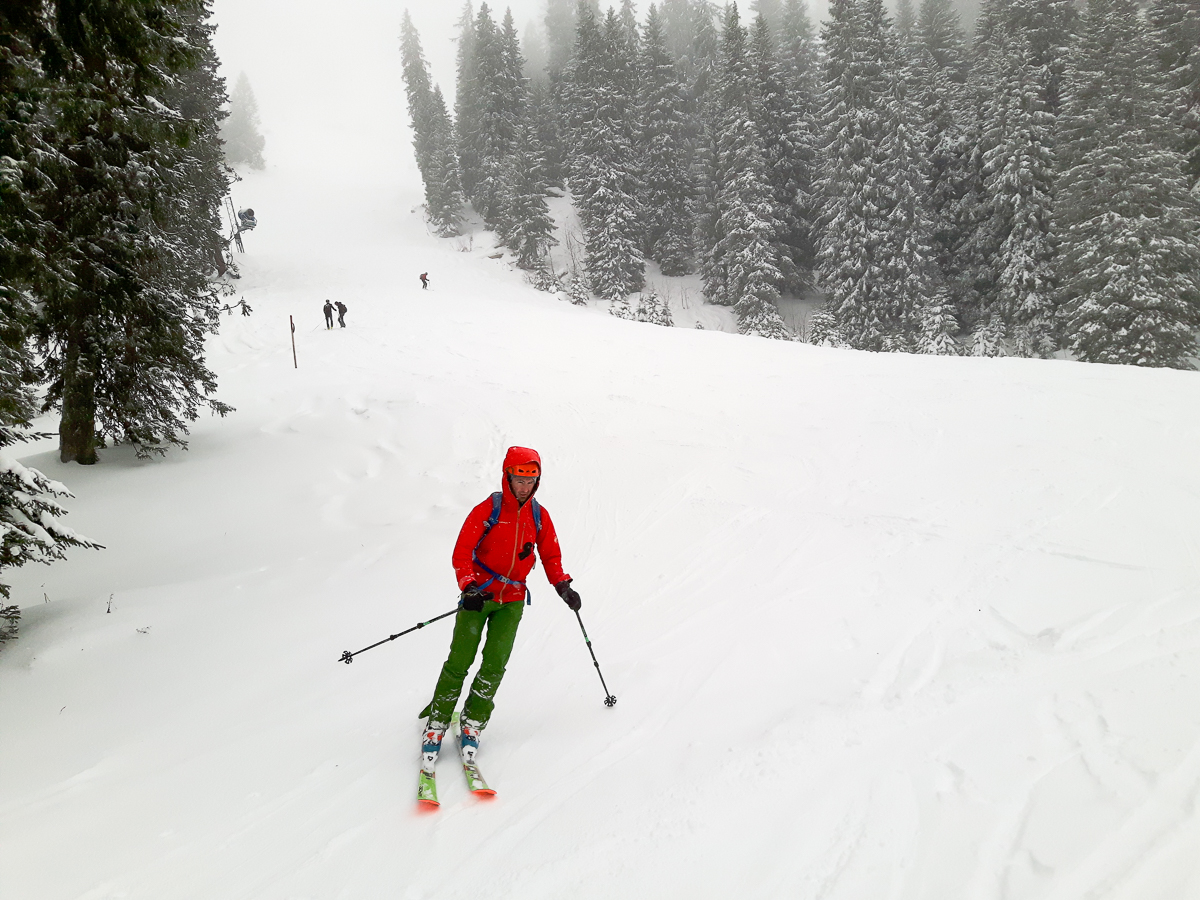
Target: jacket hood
x=519 y=456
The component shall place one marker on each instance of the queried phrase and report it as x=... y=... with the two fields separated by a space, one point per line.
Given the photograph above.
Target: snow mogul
x=492 y=558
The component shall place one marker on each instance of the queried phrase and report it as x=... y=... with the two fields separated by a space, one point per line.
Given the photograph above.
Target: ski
x=475 y=780
x=427 y=789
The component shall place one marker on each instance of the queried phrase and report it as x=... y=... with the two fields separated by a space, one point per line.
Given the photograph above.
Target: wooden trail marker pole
x=295 y=365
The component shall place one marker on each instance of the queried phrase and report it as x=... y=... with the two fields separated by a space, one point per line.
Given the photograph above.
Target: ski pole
x=609 y=699
x=347 y=657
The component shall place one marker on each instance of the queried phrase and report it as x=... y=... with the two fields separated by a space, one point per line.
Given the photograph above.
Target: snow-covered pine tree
x=241 y=132
x=664 y=144
x=443 y=192
x=653 y=308
x=1019 y=183
x=1175 y=27
x=621 y=308
x=937 y=76
x=906 y=25
x=559 y=21
x=701 y=63
x=867 y=184
x=788 y=156
x=1130 y=229
x=854 y=87
x=906 y=256
x=799 y=56
x=745 y=257
x=418 y=88
x=938 y=325
x=530 y=229
x=466 y=104
x=433 y=137
x=577 y=290
x=30 y=530
x=196 y=179
x=604 y=168
x=544 y=116
x=496 y=90
x=123 y=303
x=629 y=26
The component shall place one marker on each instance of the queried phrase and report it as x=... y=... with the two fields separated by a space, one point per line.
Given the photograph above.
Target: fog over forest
x=302 y=95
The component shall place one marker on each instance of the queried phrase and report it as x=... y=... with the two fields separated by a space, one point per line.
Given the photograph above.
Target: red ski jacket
x=500 y=549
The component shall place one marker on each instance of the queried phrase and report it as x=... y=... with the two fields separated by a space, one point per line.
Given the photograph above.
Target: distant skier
x=341 y=308
x=424 y=281
x=492 y=558
x=328 y=308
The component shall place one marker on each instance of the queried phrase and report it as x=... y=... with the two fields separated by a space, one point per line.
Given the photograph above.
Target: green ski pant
x=502 y=620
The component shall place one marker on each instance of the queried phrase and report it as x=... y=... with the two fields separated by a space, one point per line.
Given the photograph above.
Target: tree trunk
x=77 y=430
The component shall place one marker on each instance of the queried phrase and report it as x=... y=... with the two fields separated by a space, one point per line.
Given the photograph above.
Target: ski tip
x=423 y=803
x=484 y=792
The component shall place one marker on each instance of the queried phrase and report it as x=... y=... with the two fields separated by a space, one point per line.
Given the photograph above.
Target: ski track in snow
x=881 y=626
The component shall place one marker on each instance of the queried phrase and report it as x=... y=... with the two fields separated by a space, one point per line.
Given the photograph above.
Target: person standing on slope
x=328 y=308
x=492 y=558
x=424 y=281
x=341 y=308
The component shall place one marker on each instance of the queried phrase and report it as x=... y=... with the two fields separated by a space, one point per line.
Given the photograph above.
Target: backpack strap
x=493 y=518
x=488 y=525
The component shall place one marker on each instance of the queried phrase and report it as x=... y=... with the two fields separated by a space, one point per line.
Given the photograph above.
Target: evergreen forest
x=1028 y=189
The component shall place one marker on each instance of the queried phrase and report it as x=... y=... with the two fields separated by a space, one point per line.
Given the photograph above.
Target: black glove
x=570 y=595
x=473 y=597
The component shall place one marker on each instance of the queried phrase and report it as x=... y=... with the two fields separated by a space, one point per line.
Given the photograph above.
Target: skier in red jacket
x=492 y=558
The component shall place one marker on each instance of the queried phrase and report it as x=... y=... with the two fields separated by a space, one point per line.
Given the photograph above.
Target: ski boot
x=468 y=741
x=431 y=745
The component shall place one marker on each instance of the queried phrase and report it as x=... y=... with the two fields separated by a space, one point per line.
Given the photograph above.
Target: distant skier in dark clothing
x=341 y=308
x=328 y=314
x=424 y=281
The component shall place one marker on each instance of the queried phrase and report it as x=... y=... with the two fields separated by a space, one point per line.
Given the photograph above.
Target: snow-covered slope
x=879 y=625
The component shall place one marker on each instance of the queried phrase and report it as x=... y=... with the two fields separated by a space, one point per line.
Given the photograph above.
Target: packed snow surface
x=880 y=626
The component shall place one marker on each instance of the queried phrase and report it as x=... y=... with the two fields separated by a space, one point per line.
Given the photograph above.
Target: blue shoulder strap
x=488 y=525
x=495 y=516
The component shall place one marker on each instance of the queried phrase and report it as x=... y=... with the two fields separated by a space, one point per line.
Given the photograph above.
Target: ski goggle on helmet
x=524 y=470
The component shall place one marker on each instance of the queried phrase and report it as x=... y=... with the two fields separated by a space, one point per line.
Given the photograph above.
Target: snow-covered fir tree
x=433 y=137
x=494 y=103
x=789 y=157
x=906 y=25
x=577 y=290
x=604 y=170
x=742 y=268
x=242 y=131
x=622 y=308
x=530 y=230
x=418 y=89
x=30 y=530
x=1175 y=28
x=666 y=153
x=874 y=252
x=1129 y=266
x=938 y=325
x=654 y=309
x=443 y=193
x=1019 y=183
x=129 y=222
x=799 y=56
